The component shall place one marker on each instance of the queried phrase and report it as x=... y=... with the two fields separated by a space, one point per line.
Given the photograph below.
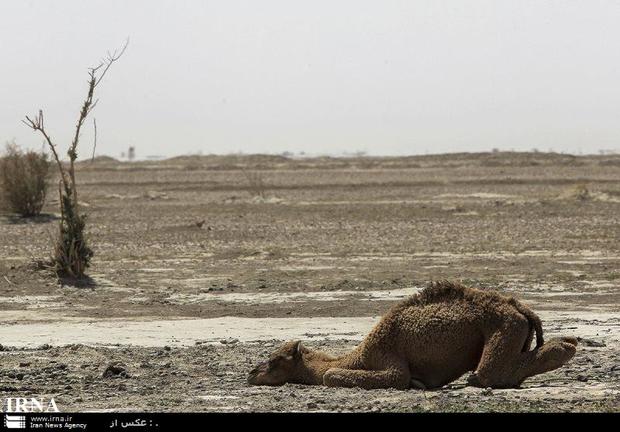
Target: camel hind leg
x=503 y=364
x=501 y=350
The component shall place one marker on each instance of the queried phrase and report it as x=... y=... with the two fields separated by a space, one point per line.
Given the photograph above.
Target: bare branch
x=92 y=107
x=89 y=105
x=37 y=125
x=95 y=139
x=87 y=108
x=107 y=62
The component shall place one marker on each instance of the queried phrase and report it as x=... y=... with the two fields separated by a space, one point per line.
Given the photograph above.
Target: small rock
x=153 y=195
x=115 y=370
x=591 y=342
x=582 y=378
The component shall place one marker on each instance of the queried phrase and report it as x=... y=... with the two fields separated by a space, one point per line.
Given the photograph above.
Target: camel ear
x=295 y=350
x=299 y=349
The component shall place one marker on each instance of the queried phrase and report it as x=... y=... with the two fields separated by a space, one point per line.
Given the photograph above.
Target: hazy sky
x=385 y=77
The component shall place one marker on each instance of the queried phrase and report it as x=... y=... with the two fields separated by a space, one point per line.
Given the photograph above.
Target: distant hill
x=262 y=161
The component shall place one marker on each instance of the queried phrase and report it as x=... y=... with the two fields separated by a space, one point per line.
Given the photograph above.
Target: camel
x=427 y=341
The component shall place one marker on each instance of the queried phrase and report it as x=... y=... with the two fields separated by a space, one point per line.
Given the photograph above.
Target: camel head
x=284 y=365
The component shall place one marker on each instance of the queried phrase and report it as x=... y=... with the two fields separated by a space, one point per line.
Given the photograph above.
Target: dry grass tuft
x=255 y=184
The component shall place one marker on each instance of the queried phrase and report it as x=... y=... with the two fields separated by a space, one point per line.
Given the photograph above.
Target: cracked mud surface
x=332 y=247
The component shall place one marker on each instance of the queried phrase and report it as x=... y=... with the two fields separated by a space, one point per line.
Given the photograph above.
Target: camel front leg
x=367 y=379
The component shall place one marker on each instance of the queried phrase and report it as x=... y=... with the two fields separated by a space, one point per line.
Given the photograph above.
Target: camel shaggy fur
x=429 y=340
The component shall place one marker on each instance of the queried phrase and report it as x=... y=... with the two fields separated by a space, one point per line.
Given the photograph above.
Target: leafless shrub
x=72 y=254
x=255 y=183
x=24 y=178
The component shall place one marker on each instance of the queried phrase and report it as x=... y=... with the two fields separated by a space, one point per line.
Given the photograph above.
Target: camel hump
x=443 y=291
x=532 y=318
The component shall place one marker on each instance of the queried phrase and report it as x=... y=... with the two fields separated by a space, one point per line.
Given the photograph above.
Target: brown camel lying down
x=429 y=340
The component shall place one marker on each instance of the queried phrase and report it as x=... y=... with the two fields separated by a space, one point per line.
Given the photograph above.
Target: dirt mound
x=100 y=160
x=578 y=192
x=227 y=161
x=581 y=192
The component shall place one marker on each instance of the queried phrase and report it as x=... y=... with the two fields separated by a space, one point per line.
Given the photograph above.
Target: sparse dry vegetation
x=72 y=254
x=24 y=180
x=256 y=183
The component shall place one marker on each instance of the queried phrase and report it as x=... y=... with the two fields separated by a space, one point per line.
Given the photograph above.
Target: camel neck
x=315 y=365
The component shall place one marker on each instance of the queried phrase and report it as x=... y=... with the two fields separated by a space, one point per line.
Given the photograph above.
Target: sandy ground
x=187 y=308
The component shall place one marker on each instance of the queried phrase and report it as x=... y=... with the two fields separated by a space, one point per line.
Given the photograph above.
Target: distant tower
x=131 y=154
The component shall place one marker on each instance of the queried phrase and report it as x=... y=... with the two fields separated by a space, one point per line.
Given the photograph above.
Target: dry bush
x=24 y=179
x=72 y=254
x=255 y=183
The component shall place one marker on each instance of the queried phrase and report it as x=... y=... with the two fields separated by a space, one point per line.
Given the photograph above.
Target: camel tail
x=535 y=325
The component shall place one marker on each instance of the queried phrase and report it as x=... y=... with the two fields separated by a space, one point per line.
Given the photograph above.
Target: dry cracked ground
x=200 y=272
